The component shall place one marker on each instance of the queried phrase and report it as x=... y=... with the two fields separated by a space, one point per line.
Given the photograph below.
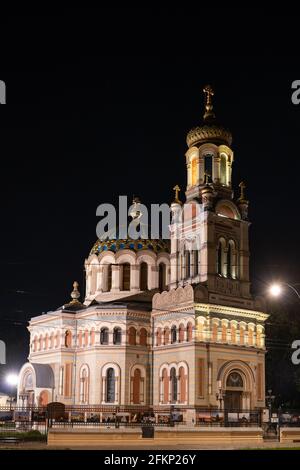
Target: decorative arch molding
x=174 y=297
x=231 y=208
x=241 y=367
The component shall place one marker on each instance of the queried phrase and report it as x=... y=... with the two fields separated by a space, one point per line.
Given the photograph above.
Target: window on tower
x=223 y=169
x=208 y=165
x=194 y=172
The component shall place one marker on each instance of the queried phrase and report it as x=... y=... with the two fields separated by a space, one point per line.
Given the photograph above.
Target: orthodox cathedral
x=164 y=324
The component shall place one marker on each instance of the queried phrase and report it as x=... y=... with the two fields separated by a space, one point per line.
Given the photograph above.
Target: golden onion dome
x=210 y=130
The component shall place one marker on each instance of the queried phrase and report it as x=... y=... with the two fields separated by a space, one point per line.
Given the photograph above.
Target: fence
x=20 y=419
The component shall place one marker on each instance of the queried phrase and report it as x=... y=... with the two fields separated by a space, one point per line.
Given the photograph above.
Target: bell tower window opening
x=223 y=170
x=162 y=277
x=126 y=276
x=194 y=167
x=208 y=165
x=187 y=264
x=144 y=276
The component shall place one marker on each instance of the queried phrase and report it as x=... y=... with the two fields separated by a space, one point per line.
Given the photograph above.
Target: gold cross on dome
x=177 y=191
x=209 y=92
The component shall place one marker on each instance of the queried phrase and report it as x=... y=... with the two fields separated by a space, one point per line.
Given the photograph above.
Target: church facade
x=163 y=324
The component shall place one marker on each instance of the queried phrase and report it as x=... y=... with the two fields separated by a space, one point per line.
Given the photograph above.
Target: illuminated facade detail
x=162 y=324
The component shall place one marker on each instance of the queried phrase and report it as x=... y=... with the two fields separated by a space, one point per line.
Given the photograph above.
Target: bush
x=28 y=436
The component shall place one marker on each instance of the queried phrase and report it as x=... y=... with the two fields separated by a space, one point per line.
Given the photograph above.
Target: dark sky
x=99 y=105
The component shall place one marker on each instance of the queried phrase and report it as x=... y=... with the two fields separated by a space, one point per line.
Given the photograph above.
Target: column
x=99 y=281
x=134 y=277
x=115 y=278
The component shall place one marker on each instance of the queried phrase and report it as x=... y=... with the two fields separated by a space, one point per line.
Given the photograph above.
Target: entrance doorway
x=233 y=400
x=234 y=391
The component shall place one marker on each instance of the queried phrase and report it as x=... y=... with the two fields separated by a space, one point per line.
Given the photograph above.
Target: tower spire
x=208 y=92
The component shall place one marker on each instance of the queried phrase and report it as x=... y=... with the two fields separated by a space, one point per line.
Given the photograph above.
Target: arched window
x=233 y=334
x=165 y=386
x=196 y=262
x=143 y=337
x=136 y=387
x=86 y=338
x=166 y=335
x=110 y=385
x=144 y=276
x=187 y=264
x=194 y=172
x=84 y=386
x=162 y=277
x=250 y=337
x=158 y=337
x=231 y=260
x=46 y=341
x=181 y=333
x=221 y=258
x=40 y=343
x=35 y=343
x=214 y=332
x=80 y=339
x=234 y=380
x=52 y=340
x=125 y=276
x=242 y=335
x=224 y=333
x=173 y=334
x=68 y=339
x=104 y=336
x=223 y=169
x=189 y=332
x=92 y=337
x=132 y=336
x=117 y=335
x=208 y=164
x=182 y=384
x=174 y=387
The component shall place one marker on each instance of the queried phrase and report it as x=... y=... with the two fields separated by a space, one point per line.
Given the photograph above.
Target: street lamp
x=220 y=395
x=12 y=380
x=269 y=400
x=276 y=289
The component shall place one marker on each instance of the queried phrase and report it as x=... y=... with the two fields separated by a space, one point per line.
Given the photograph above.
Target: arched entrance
x=234 y=391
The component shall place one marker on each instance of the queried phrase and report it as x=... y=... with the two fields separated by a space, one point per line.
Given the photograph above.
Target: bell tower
x=209 y=233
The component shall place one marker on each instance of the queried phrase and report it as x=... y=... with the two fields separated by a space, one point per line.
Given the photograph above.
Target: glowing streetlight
x=12 y=380
x=275 y=290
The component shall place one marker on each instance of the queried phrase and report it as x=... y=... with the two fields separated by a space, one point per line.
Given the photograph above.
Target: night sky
x=99 y=105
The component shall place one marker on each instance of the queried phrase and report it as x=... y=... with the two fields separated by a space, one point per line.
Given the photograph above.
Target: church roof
x=114 y=245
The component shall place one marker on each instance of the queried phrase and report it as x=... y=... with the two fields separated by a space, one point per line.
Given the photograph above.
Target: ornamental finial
x=242 y=187
x=208 y=92
x=75 y=294
x=177 y=191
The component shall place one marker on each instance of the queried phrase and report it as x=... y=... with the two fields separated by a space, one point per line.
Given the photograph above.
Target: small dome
x=210 y=130
x=157 y=246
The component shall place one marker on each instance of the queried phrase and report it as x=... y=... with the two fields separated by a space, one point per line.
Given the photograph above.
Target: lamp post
x=277 y=288
x=12 y=381
x=269 y=400
x=220 y=395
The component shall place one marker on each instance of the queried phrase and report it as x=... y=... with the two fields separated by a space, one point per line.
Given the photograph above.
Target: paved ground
x=154 y=446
